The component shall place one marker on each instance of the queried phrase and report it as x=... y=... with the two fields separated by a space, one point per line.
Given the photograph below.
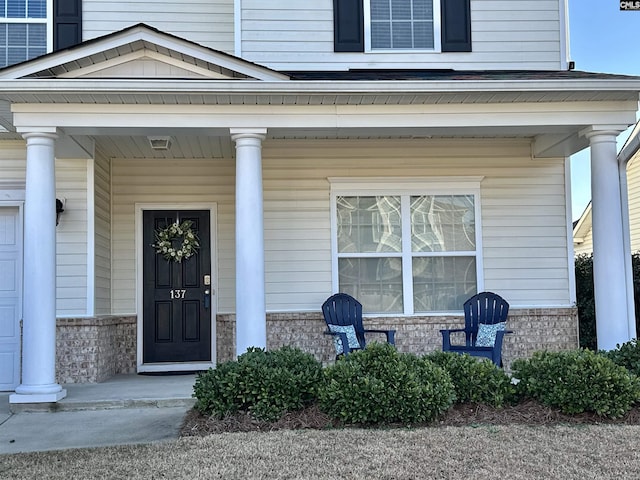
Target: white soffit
x=583 y=225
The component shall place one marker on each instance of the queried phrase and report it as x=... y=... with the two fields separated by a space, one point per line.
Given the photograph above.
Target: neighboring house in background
x=407 y=156
x=582 y=235
x=629 y=158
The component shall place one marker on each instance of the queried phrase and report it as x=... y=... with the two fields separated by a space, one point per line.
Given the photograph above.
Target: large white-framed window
x=402 y=25
x=407 y=246
x=25 y=27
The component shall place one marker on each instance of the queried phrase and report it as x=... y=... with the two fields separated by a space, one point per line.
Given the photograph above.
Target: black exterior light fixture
x=59 y=210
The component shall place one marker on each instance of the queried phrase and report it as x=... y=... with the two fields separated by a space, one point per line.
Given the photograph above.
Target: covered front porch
x=260 y=157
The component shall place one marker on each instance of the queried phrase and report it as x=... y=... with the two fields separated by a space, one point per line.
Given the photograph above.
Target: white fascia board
x=631 y=146
x=142 y=34
x=29 y=116
x=584 y=223
x=223 y=60
x=137 y=55
x=261 y=87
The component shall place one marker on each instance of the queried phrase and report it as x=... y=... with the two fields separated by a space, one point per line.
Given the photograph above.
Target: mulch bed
x=525 y=413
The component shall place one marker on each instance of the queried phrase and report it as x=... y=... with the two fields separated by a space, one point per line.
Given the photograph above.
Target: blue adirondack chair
x=343 y=315
x=485 y=317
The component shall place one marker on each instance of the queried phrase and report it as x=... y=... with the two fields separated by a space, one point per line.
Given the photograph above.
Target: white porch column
x=609 y=252
x=39 y=304
x=251 y=323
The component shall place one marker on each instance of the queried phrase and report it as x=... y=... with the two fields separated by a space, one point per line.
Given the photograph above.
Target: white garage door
x=10 y=296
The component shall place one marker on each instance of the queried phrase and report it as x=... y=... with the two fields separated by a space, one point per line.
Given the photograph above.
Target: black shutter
x=456 y=25
x=67 y=23
x=348 y=26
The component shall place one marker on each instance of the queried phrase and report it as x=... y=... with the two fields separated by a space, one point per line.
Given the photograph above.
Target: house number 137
x=177 y=293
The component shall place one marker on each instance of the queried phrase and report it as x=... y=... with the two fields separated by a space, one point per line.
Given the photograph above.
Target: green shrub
x=577 y=381
x=379 y=385
x=585 y=301
x=585 y=297
x=626 y=355
x=266 y=384
x=475 y=380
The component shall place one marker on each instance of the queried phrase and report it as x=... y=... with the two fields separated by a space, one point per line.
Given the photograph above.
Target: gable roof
x=631 y=145
x=582 y=226
x=101 y=56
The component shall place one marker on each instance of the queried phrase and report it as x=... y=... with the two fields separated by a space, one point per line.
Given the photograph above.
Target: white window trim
x=437 y=37
x=49 y=26
x=48 y=20
x=402 y=186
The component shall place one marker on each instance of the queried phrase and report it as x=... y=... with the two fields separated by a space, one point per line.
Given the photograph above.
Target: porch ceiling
x=194 y=146
x=182 y=147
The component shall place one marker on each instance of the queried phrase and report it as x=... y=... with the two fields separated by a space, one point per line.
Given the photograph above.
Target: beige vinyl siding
x=523 y=213
x=507 y=34
x=12 y=163
x=524 y=230
x=71 y=234
x=207 y=22
x=633 y=187
x=71 y=254
x=297 y=225
x=102 y=193
x=586 y=246
x=170 y=182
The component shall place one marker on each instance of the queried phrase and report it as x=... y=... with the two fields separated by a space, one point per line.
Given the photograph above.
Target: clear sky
x=607 y=40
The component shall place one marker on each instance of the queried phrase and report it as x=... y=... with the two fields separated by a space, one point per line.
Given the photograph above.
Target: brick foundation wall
x=534 y=329
x=225 y=337
x=91 y=350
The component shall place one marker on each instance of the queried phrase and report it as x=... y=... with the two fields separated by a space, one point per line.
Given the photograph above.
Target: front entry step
x=122 y=391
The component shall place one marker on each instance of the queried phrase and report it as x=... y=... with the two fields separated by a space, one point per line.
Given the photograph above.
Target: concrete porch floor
x=125 y=409
x=120 y=391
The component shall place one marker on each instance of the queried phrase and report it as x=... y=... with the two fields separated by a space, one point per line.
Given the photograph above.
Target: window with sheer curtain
x=407 y=253
x=23 y=30
x=402 y=24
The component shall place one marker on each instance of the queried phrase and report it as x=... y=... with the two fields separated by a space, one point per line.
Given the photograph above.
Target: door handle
x=207 y=299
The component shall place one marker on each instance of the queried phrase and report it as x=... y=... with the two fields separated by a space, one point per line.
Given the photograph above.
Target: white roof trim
x=140 y=54
x=631 y=146
x=32 y=85
x=145 y=34
x=582 y=228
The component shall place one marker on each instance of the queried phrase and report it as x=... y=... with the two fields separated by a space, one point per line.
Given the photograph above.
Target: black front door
x=176 y=294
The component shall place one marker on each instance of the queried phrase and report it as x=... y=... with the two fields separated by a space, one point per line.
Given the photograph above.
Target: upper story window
x=412 y=247
x=23 y=30
x=402 y=24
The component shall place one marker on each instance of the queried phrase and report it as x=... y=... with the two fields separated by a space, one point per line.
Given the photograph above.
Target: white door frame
x=17 y=202
x=213 y=213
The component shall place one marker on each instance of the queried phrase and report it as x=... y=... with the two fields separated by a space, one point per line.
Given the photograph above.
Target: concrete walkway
x=126 y=409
